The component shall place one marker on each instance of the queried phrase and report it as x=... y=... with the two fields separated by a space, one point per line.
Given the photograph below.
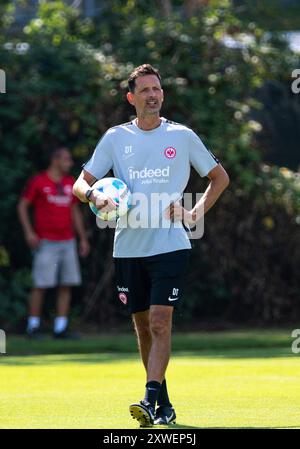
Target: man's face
x=64 y=161
x=147 y=97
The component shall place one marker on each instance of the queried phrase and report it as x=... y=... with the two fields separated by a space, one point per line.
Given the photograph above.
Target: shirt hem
x=149 y=254
x=50 y=239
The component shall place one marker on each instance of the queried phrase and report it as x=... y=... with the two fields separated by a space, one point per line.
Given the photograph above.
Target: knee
x=159 y=326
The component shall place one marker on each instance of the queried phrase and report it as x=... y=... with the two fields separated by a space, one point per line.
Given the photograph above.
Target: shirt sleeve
x=101 y=161
x=201 y=158
x=30 y=190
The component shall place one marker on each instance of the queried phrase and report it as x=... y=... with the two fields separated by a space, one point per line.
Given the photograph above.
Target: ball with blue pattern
x=118 y=191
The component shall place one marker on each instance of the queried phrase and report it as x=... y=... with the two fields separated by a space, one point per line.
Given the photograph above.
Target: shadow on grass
x=185 y=426
x=179 y=426
x=59 y=359
x=176 y=426
x=39 y=359
x=105 y=348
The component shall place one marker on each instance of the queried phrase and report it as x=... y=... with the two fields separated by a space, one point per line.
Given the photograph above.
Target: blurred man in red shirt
x=56 y=215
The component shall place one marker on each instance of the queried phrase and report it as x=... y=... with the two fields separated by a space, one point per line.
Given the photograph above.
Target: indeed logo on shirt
x=149 y=173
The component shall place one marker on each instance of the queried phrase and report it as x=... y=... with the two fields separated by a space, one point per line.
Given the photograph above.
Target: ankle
x=152 y=392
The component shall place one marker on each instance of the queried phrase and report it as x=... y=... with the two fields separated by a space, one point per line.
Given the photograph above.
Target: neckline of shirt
x=162 y=122
x=62 y=180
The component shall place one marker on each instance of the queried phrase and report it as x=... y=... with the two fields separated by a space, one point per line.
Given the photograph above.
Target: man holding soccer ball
x=152 y=155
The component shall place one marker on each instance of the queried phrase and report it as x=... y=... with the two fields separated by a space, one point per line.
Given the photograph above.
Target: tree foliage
x=66 y=84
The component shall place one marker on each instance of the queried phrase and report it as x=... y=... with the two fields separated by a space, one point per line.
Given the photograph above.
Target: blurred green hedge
x=66 y=84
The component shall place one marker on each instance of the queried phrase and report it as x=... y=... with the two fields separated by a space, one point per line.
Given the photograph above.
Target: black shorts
x=154 y=280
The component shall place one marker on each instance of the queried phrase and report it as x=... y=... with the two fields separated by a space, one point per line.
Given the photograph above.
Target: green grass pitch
x=219 y=381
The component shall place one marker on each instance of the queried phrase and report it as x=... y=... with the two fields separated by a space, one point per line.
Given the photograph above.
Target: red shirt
x=52 y=206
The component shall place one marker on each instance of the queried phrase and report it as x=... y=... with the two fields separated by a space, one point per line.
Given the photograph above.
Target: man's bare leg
x=160 y=328
x=36 y=302
x=36 y=299
x=62 y=308
x=63 y=301
x=142 y=329
x=153 y=330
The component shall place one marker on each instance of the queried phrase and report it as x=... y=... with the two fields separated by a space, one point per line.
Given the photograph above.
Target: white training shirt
x=151 y=163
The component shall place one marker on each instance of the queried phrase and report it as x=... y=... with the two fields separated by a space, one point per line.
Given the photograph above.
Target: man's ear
x=130 y=98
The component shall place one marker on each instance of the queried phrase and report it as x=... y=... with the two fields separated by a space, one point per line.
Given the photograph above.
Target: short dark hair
x=142 y=70
x=55 y=152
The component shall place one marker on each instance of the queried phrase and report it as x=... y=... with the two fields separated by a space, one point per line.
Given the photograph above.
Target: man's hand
x=84 y=247
x=102 y=201
x=219 y=180
x=175 y=212
x=32 y=240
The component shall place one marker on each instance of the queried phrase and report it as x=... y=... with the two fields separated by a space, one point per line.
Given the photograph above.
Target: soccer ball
x=118 y=191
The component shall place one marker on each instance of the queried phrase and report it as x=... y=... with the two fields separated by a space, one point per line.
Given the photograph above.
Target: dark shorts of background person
x=154 y=280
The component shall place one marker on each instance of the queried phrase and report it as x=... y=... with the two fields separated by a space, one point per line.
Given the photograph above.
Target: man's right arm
x=100 y=200
x=23 y=212
x=82 y=185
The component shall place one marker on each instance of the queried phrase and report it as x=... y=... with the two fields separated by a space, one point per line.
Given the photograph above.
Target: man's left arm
x=219 y=180
x=84 y=246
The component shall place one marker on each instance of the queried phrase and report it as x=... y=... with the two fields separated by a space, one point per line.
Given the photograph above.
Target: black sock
x=163 y=397
x=152 y=392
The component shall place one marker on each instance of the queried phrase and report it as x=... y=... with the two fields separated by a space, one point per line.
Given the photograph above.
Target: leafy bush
x=66 y=84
